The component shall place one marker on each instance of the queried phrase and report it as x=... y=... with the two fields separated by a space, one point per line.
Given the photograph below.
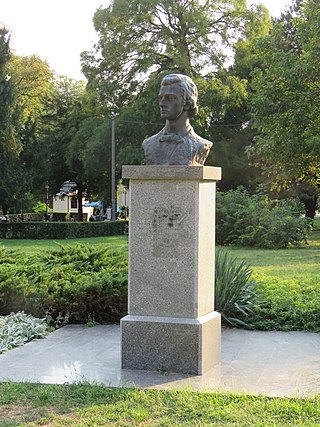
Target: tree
x=228 y=96
x=7 y=137
x=286 y=107
x=64 y=116
x=224 y=93
x=83 y=122
x=32 y=82
x=138 y=37
x=9 y=143
x=224 y=111
x=223 y=118
x=94 y=136
x=246 y=58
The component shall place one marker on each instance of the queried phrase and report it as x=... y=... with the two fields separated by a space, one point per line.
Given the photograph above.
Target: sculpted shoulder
x=204 y=142
x=151 y=140
x=203 y=147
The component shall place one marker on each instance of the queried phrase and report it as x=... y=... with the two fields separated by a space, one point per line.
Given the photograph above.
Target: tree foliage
x=257 y=221
x=47 y=112
x=158 y=37
x=9 y=141
x=64 y=116
x=32 y=81
x=62 y=130
x=286 y=103
x=140 y=37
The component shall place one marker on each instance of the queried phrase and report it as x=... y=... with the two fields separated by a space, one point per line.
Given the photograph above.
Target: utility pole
x=113 y=168
x=47 y=201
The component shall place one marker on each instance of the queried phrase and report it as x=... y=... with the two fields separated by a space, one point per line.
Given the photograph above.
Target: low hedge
x=61 y=230
x=81 y=283
x=285 y=304
x=89 y=283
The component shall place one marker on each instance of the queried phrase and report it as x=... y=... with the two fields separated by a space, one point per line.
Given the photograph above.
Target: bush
x=255 y=220
x=234 y=288
x=89 y=284
x=61 y=230
x=286 y=305
x=83 y=283
x=19 y=328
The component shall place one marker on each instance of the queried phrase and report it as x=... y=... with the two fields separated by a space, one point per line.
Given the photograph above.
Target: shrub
x=234 y=288
x=83 y=283
x=61 y=230
x=255 y=220
x=17 y=329
x=287 y=304
x=89 y=284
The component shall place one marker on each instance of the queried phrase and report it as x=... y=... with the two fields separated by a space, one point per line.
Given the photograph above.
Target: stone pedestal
x=171 y=323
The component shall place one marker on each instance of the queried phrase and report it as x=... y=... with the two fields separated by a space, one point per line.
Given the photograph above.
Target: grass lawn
x=301 y=262
x=33 y=246
x=86 y=405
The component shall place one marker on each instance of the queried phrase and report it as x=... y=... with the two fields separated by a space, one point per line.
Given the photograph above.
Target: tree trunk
x=80 y=195
x=311 y=206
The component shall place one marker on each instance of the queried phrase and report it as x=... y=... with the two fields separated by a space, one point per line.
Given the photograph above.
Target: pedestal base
x=182 y=345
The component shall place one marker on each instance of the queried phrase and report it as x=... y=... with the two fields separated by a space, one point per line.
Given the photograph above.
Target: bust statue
x=177 y=143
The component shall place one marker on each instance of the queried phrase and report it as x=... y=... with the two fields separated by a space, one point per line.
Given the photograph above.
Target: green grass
x=88 y=405
x=301 y=262
x=287 y=286
x=33 y=246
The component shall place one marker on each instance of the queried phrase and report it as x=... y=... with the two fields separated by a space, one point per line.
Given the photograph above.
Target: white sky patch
x=276 y=7
x=59 y=30
x=56 y=30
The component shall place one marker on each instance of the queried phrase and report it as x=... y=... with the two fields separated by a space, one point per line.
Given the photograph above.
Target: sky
x=59 y=30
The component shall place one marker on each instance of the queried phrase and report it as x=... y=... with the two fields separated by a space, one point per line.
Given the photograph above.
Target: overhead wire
x=161 y=124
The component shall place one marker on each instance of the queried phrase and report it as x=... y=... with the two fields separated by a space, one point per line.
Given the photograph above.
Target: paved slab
x=271 y=363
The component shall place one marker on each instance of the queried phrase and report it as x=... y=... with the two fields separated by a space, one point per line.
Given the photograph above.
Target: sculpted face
x=171 y=101
x=177 y=143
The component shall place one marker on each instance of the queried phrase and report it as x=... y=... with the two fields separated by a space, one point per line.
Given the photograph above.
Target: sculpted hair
x=188 y=89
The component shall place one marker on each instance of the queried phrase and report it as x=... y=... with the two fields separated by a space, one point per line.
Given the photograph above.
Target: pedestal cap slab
x=172 y=172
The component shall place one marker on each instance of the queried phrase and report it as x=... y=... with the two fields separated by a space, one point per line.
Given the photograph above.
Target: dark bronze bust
x=177 y=143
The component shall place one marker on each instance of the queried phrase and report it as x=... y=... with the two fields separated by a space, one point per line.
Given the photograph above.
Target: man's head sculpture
x=187 y=89
x=177 y=143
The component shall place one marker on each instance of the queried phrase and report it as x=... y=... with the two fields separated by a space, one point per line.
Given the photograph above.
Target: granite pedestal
x=171 y=323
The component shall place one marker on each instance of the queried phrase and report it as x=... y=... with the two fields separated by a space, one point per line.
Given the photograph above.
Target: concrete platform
x=271 y=363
